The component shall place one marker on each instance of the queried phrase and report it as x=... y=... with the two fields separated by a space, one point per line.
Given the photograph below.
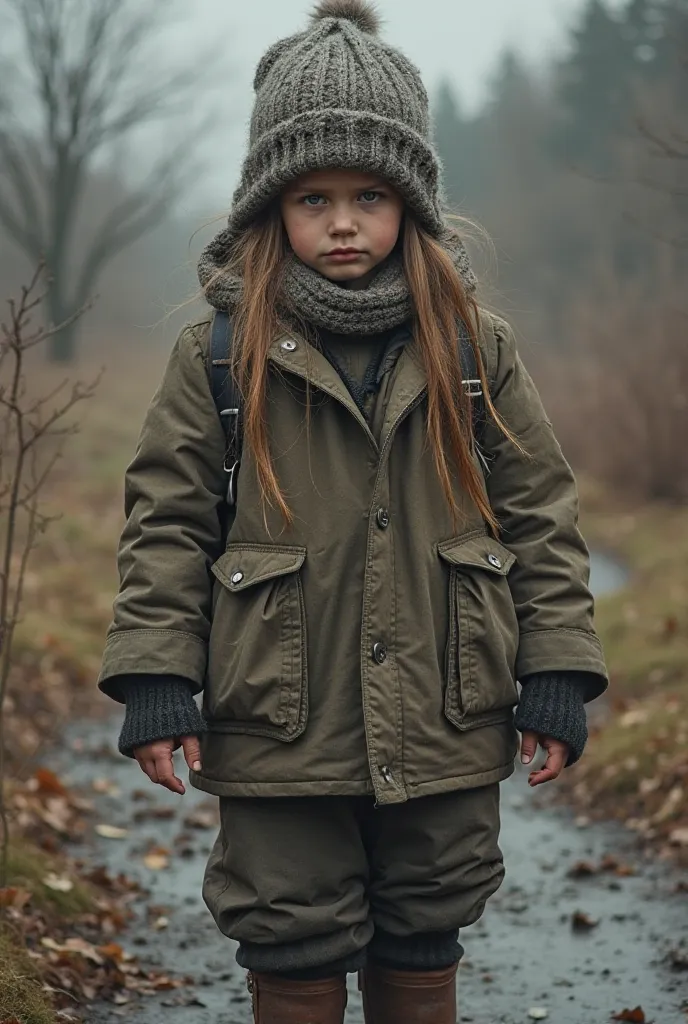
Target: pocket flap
x=243 y=565
x=481 y=552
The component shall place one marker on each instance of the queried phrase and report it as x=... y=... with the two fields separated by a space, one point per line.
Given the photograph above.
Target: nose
x=342 y=221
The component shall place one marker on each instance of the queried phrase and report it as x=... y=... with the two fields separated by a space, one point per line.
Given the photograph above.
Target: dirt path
x=523 y=954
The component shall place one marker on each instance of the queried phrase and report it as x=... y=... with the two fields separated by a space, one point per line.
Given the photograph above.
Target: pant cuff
x=424 y=951
x=323 y=951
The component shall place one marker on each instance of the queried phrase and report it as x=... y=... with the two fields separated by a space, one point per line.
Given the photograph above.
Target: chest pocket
x=483 y=633
x=257 y=679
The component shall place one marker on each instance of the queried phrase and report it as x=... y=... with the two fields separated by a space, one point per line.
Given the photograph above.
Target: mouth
x=343 y=255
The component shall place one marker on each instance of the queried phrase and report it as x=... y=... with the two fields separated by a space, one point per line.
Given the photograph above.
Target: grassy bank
x=44 y=902
x=57 y=920
x=636 y=766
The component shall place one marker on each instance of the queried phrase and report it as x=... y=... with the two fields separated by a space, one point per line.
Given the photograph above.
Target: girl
x=357 y=621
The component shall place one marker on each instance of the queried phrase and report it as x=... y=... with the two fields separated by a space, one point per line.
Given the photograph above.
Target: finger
x=166 y=776
x=192 y=752
x=529 y=745
x=557 y=755
x=536 y=778
x=147 y=766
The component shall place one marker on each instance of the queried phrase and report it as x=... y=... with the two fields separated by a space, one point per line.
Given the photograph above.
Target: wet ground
x=523 y=956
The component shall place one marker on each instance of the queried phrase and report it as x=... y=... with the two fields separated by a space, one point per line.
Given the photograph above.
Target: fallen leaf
x=73 y=945
x=582 y=869
x=201 y=819
x=636 y=716
x=14 y=896
x=581 y=922
x=636 y=1016
x=53 y=881
x=111 y=831
x=611 y=863
x=647 y=786
x=113 y=951
x=678 y=959
x=48 y=782
x=670 y=805
x=105 y=786
x=156 y=861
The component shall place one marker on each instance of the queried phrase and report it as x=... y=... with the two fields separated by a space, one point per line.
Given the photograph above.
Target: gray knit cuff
x=423 y=951
x=157 y=707
x=552 y=704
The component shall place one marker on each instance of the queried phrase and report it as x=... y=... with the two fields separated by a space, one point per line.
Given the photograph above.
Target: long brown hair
x=440 y=301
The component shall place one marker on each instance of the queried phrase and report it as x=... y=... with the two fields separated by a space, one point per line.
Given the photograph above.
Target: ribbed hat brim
x=322 y=139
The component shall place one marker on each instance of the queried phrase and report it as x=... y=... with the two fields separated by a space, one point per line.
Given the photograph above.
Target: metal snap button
x=288 y=345
x=379 y=653
x=496 y=562
x=382 y=518
x=237 y=577
x=386 y=773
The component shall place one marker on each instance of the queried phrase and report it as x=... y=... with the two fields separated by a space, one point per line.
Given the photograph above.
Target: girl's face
x=342 y=223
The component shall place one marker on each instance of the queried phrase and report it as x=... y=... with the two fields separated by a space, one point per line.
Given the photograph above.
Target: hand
x=155 y=759
x=557 y=756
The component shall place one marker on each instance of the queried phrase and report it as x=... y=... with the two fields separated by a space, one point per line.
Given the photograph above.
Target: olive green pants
x=301 y=882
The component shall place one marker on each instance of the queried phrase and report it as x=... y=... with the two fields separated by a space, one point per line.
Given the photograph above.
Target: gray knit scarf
x=305 y=293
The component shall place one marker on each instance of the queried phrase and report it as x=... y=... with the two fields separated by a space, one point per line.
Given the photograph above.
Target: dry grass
x=636 y=765
x=28 y=867
x=21 y=996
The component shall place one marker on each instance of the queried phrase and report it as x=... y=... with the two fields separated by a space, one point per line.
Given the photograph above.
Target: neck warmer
x=313 y=298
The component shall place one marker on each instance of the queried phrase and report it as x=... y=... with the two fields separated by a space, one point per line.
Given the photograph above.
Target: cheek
x=300 y=231
x=387 y=229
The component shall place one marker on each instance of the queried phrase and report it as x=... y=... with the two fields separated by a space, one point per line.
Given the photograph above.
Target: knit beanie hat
x=336 y=95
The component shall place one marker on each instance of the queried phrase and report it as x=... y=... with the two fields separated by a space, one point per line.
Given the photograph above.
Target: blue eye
x=307 y=200
x=370 y=196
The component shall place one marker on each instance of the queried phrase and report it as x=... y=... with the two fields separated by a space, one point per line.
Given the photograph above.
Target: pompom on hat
x=337 y=95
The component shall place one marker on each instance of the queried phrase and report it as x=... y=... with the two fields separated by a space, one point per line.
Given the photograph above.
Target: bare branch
x=89 y=64
x=27 y=232
x=136 y=216
x=31 y=448
x=675 y=148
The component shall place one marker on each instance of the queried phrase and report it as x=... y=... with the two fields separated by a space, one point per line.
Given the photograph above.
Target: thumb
x=192 y=752
x=529 y=745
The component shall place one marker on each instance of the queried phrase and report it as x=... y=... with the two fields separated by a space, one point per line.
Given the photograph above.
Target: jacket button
x=236 y=577
x=382 y=518
x=288 y=345
x=379 y=653
x=494 y=561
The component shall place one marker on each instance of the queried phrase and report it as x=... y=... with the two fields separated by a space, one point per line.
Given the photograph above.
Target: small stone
x=538 y=1013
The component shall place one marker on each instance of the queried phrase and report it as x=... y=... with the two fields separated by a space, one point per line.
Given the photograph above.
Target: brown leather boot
x=282 y=1001
x=408 y=997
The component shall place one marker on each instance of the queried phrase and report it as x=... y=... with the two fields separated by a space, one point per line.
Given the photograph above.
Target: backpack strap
x=474 y=389
x=227 y=397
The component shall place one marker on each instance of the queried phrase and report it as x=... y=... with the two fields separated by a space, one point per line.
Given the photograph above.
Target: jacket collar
x=295 y=355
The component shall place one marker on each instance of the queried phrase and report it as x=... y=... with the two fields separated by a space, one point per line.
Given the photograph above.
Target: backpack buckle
x=473 y=388
x=233 y=471
x=233 y=468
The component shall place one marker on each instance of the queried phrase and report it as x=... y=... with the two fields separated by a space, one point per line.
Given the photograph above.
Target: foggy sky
x=461 y=39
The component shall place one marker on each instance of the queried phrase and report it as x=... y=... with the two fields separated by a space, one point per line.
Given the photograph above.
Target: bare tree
x=32 y=434
x=91 y=66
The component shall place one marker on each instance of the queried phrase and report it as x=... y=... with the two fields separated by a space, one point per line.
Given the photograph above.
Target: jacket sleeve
x=172 y=495
x=535 y=499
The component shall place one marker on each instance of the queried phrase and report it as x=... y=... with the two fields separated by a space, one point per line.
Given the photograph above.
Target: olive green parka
x=372 y=647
